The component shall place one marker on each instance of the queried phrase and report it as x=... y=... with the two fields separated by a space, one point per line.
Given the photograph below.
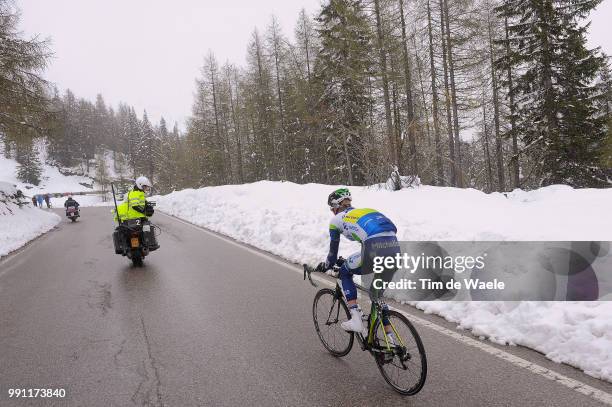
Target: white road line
x=577 y=386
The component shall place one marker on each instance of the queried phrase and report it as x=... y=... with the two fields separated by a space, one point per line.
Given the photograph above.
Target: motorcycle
x=72 y=213
x=135 y=239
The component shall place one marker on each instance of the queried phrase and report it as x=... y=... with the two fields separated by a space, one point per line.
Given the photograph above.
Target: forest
x=486 y=94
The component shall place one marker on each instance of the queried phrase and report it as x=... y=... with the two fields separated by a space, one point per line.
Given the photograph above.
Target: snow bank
x=579 y=333
x=292 y=221
x=52 y=181
x=19 y=225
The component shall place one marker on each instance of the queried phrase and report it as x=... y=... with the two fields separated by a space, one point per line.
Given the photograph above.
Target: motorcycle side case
x=118 y=243
x=149 y=239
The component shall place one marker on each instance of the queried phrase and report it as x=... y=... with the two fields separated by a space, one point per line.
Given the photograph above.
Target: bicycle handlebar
x=309 y=270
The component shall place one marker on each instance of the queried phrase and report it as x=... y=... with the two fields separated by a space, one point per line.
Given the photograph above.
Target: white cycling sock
x=391 y=338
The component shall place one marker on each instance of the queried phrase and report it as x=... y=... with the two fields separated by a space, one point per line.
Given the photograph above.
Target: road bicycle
x=402 y=361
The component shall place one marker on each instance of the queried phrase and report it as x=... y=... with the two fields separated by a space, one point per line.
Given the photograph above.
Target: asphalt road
x=208 y=323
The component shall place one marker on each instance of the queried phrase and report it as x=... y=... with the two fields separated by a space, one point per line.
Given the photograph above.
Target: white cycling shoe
x=355 y=324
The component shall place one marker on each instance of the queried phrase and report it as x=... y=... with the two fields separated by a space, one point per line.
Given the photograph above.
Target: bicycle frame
x=375 y=319
x=377 y=315
x=388 y=349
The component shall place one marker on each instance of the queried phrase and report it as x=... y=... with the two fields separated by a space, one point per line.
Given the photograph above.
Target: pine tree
x=343 y=67
x=85 y=133
x=606 y=151
x=557 y=115
x=23 y=91
x=102 y=176
x=411 y=123
x=29 y=168
x=439 y=178
x=260 y=94
x=232 y=102
x=309 y=153
x=394 y=147
x=207 y=128
x=132 y=135
x=8 y=146
x=182 y=168
x=60 y=146
x=147 y=148
x=101 y=122
x=275 y=47
x=121 y=166
x=605 y=107
x=167 y=160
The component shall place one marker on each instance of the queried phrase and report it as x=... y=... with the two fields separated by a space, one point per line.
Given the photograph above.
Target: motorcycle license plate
x=146 y=228
x=134 y=242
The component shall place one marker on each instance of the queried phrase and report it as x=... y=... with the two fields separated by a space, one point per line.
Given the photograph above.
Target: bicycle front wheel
x=328 y=311
x=403 y=364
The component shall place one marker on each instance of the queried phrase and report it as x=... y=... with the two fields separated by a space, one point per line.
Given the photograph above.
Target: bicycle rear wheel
x=328 y=311
x=405 y=369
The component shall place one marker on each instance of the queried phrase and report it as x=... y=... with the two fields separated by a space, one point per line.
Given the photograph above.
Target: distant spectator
x=39 y=198
x=34 y=201
x=48 y=200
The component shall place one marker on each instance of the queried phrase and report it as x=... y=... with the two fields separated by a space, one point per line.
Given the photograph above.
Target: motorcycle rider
x=71 y=202
x=376 y=233
x=135 y=205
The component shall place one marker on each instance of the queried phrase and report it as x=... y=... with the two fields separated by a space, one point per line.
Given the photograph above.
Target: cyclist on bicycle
x=375 y=232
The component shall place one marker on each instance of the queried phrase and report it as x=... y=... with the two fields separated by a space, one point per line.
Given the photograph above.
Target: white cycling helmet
x=338 y=196
x=142 y=182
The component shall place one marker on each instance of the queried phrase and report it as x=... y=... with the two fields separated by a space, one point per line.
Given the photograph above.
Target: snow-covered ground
x=292 y=221
x=52 y=181
x=19 y=225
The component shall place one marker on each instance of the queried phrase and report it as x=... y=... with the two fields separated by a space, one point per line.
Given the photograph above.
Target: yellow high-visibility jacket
x=126 y=211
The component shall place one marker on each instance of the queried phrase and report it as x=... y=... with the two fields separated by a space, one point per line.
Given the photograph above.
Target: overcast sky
x=147 y=53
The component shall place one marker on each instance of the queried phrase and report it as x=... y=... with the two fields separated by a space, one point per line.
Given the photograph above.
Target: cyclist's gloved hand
x=340 y=261
x=321 y=267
